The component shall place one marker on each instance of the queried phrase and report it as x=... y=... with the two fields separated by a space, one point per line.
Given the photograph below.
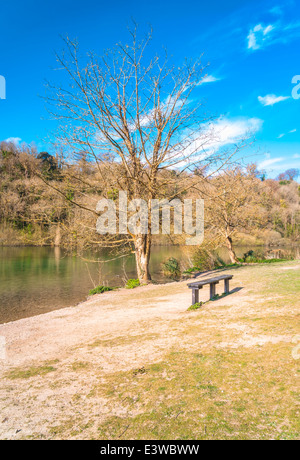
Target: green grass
x=79 y=365
x=192 y=270
x=254 y=260
x=228 y=395
x=27 y=373
x=199 y=305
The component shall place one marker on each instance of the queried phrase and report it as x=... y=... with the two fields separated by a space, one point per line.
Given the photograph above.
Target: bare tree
x=232 y=205
x=133 y=116
x=289 y=174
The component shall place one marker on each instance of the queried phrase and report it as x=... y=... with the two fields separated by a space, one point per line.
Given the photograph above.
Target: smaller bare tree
x=232 y=205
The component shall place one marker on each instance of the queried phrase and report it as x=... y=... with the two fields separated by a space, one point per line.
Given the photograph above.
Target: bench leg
x=212 y=291
x=226 y=286
x=195 y=296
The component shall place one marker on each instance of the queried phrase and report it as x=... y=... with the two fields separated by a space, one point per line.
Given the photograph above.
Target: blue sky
x=252 y=46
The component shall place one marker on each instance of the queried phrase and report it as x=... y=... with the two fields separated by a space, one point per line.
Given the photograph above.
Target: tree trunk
x=57 y=239
x=232 y=254
x=142 y=245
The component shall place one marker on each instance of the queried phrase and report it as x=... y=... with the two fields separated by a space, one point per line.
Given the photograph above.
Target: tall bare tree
x=133 y=116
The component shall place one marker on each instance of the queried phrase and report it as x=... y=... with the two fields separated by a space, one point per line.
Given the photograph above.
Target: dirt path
x=103 y=317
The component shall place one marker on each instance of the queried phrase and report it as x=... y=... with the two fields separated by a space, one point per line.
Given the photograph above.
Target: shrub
x=131 y=284
x=100 y=290
x=207 y=259
x=252 y=257
x=196 y=306
x=171 y=268
x=259 y=257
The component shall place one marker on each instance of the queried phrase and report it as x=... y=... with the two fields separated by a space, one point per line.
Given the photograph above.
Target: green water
x=38 y=280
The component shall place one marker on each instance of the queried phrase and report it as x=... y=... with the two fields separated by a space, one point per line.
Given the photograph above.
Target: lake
x=38 y=280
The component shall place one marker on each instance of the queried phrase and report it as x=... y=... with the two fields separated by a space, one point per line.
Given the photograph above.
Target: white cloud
x=14 y=140
x=222 y=133
x=209 y=79
x=263 y=35
x=284 y=134
x=268 y=29
x=271 y=99
x=169 y=104
x=228 y=131
x=258 y=35
x=212 y=138
x=269 y=162
x=279 y=163
x=252 y=41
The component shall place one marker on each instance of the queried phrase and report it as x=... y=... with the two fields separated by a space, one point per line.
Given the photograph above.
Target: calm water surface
x=39 y=280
